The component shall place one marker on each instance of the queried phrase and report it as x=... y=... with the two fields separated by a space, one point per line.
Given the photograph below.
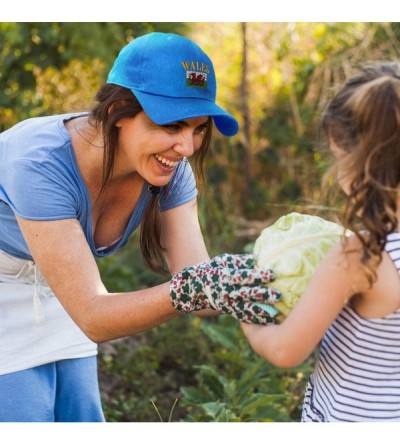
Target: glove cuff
x=180 y=294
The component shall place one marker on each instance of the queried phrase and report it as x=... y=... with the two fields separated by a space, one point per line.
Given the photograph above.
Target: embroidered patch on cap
x=196 y=74
x=196 y=79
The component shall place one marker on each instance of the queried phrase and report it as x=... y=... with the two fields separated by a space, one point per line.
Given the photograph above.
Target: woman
x=74 y=187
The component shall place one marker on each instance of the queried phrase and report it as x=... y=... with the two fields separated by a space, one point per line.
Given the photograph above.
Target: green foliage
x=235 y=385
x=218 y=221
x=127 y=270
x=30 y=49
x=141 y=376
x=193 y=370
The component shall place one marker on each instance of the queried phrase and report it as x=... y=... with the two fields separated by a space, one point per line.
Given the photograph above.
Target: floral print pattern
x=227 y=283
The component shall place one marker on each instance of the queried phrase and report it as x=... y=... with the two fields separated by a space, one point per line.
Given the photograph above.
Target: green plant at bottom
x=239 y=386
x=140 y=372
x=196 y=370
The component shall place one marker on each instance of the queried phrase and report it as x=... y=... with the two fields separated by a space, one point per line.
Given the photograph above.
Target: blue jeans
x=64 y=391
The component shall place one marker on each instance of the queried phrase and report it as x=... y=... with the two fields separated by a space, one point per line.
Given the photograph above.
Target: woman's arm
x=184 y=242
x=63 y=256
x=182 y=237
x=336 y=280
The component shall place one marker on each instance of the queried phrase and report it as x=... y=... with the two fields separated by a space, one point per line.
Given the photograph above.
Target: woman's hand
x=227 y=283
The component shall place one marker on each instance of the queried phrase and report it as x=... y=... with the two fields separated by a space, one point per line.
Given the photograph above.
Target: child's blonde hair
x=363 y=119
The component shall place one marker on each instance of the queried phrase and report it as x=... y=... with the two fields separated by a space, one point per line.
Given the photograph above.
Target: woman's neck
x=87 y=144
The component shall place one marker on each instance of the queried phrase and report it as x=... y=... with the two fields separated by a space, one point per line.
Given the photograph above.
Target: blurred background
x=275 y=78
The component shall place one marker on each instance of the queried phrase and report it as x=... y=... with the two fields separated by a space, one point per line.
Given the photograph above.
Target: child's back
x=357 y=377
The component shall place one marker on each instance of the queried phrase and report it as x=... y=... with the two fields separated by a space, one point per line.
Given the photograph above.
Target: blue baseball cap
x=172 y=78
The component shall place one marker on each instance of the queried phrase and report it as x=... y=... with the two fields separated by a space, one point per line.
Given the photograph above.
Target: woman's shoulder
x=34 y=138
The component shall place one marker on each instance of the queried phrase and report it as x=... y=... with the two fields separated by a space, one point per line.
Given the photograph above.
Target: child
x=353 y=302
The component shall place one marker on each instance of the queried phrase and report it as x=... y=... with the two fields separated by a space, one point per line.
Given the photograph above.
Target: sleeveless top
x=357 y=375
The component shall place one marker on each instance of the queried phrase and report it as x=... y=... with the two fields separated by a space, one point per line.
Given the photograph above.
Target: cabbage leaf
x=293 y=247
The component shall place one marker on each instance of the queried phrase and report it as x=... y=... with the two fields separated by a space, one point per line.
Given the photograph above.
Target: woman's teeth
x=165 y=161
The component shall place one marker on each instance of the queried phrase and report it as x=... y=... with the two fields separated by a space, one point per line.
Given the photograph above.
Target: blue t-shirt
x=40 y=180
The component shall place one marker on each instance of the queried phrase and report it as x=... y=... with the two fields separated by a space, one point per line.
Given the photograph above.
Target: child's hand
x=227 y=283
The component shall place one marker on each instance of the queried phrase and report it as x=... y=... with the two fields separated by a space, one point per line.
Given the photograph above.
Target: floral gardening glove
x=227 y=283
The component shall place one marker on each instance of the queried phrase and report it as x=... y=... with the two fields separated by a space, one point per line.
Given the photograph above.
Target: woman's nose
x=185 y=145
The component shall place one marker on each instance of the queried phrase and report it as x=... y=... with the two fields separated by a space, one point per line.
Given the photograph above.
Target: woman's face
x=153 y=151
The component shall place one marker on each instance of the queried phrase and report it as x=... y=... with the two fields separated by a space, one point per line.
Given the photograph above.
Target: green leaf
x=227 y=416
x=214 y=381
x=231 y=389
x=259 y=401
x=220 y=334
x=252 y=375
x=194 y=395
x=213 y=409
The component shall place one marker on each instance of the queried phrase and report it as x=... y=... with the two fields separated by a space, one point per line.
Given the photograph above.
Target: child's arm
x=338 y=277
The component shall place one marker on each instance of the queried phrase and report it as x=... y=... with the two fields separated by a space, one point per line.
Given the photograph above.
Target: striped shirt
x=357 y=376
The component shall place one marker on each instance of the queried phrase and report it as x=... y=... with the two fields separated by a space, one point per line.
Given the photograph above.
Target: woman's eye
x=202 y=129
x=172 y=127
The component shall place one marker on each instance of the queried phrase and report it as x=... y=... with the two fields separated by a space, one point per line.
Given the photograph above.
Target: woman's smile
x=166 y=161
x=167 y=165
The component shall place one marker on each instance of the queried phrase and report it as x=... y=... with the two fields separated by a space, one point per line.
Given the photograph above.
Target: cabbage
x=293 y=247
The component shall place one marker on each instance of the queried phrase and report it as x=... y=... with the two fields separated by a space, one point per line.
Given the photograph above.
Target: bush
x=196 y=370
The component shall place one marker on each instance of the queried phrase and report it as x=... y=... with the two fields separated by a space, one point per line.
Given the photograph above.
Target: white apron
x=34 y=328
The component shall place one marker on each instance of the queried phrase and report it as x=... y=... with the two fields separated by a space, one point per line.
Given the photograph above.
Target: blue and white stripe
x=357 y=377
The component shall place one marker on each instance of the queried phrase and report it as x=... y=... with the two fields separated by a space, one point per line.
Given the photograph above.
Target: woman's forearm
x=117 y=315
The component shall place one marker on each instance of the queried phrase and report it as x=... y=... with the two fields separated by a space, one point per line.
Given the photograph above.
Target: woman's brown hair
x=115 y=103
x=363 y=120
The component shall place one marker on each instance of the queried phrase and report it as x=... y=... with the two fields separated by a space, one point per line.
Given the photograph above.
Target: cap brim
x=164 y=110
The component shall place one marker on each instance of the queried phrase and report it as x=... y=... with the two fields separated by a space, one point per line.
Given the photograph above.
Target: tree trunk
x=246 y=130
